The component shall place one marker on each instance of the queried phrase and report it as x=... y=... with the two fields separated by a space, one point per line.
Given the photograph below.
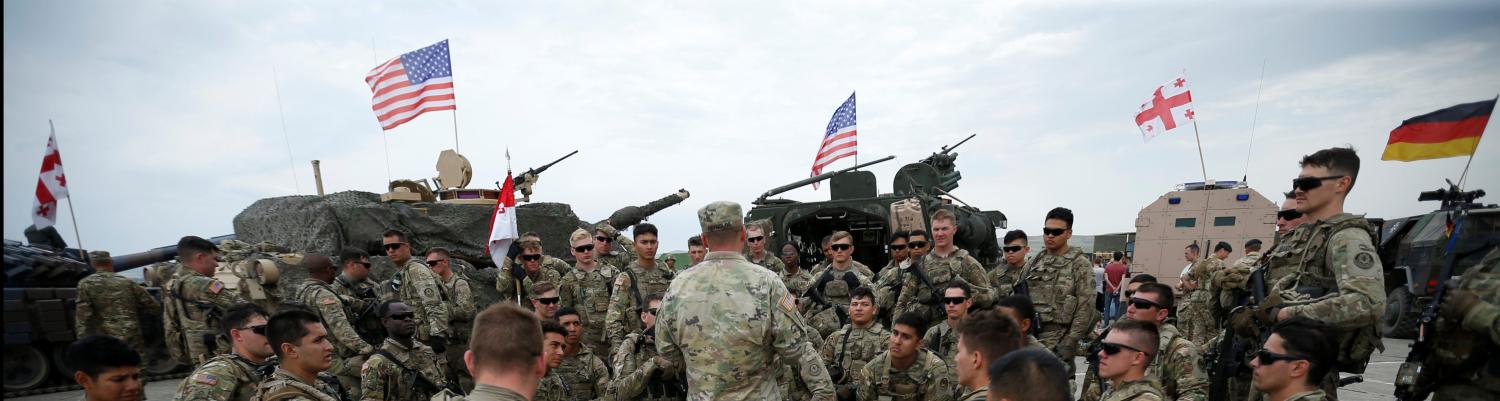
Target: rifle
x=1413 y=382
x=527 y=179
x=816 y=295
x=916 y=269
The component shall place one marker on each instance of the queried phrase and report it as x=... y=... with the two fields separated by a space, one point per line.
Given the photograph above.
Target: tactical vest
x=908 y=385
x=837 y=290
x=1309 y=276
x=1050 y=286
x=182 y=338
x=278 y=388
x=341 y=350
x=579 y=369
x=1457 y=353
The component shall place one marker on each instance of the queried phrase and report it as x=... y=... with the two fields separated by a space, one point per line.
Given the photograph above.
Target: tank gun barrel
x=816 y=178
x=632 y=215
x=947 y=149
x=162 y=254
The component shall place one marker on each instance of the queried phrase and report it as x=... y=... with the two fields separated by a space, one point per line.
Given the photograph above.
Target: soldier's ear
x=469 y=360
x=83 y=380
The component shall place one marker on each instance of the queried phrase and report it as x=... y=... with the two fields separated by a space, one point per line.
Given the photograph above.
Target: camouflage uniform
x=942 y=340
x=420 y=290
x=461 y=310
x=979 y=394
x=917 y=297
x=849 y=349
x=552 y=388
x=391 y=374
x=1230 y=281
x=1194 y=310
x=506 y=285
x=797 y=283
x=226 y=377
x=283 y=386
x=361 y=300
x=855 y=266
x=623 y=316
x=1004 y=279
x=194 y=305
x=886 y=288
x=349 y=350
x=585 y=376
x=485 y=392
x=1460 y=375
x=927 y=379
x=1175 y=369
x=112 y=305
x=1318 y=395
x=639 y=377
x=769 y=262
x=1144 y=389
x=834 y=285
x=1062 y=288
x=589 y=291
x=726 y=321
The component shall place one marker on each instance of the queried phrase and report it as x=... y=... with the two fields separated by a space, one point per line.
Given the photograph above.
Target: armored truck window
x=1187 y=222
x=1223 y=221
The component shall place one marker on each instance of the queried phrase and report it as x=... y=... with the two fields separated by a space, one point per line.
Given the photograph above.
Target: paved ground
x=1377 y=384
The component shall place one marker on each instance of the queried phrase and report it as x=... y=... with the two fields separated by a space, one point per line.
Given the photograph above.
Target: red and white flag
x=1171 y=106
x=51 y=186
x=503 y=229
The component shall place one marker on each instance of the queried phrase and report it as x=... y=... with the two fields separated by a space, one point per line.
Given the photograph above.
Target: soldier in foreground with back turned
x=847 y=350
x=1290 y=365
x=420 y=291
x=730 y=322
x=906 y=371
x=641 y=278
x=982 y=338
x=106 y=368
x=505 y=354
x=641 y=374
x=302 y=346
x=1061 y=283
x=403 y=369
x=587 y=289
x=349 y=350
x=233 y=376
x=1126 y=354
x=1029 y=375
x=112 y=305
x=760 y=237
x=195 y=301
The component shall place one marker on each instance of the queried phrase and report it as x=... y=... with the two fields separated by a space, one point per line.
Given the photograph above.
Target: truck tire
x=1400 y=320
x=25 y=367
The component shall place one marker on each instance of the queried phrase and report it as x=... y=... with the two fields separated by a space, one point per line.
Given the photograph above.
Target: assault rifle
x=1413 y=382
x=816 y=295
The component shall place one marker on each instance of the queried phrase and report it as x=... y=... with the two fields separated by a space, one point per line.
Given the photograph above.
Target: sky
x=173 y=116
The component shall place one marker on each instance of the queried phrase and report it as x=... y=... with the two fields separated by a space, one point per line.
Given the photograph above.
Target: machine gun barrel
x=946 y=149
x=820 y=177
x=162 y=254
x=536 y=171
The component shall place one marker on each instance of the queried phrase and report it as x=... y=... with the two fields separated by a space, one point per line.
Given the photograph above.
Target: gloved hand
x=1265 y=313
x=661 y=363
x=1458 y=303
x=438 y=344
x=517 y=271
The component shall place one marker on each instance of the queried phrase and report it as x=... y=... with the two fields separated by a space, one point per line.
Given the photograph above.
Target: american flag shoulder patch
x=788 y=303
x=206 y=379
x=216 y=286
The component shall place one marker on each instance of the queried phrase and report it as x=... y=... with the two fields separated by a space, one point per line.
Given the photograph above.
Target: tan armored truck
x=1207 y=213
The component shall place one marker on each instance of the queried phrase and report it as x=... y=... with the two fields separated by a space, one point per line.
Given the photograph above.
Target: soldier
x=1020 y=309
x=353 y=284
x=723 y=319
x=1196 y=312
x=112 y=305
x=757 y=254
x=1334 y=254
x=586 y=288
x=1470 y=316
x=847 y=350
x=505 y=354
x=796 y=279
x=461 y=311
x=195 y=301
x=233 y=376
x=886 y=287
x=1124 y=358
x=1288 y=218
x=349 y=350
x=302 y=346
x=585 y=373
x=403 y=369
x=946 y=262
x=552 y=386
x=420 y=291
x=1005 y=277
x=696 y=251
x=1231 y=280
x=827 y=255
x=1061 y=283
x=516 y=288
x=917 y=243
x=1176 y=366
x=545 y=301
x=942 y=339
x=671 y=263
x=643 y=277
x=829 y=294
x=1290 y=366
x=982 y=338
x=641 y=374
x=106 y=368
x=906 y=371
x=548 y=261
x=604 y=236
x=1029 y=375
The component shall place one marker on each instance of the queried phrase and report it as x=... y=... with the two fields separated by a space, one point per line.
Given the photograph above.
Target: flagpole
x=384 y=142
x=1246 y=178
x=77 y=238
x=455 y=128
x=1201 y=163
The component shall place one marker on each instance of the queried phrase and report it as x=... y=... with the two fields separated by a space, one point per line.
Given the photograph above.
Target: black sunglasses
x=1308 y=183
x=1142 y=303
x=1114 y=348
x=583 y=248
x=547 y=301
x=650 y=310
x=531 y=258
x=841 y=247
x=364 y=263
x=602 y=238
x=258 y=329
x=394 y=246
x=895 y=247
x=436 y=261
x=1267 y=357
x=1289 y=214
x=917 y=244
x=1012 y=248
x=757 y=238
x=955 y=300
x=401 y=316
x=1053 y=232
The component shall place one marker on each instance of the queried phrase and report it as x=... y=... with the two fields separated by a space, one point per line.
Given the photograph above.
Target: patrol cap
x=721 y=216
x=98 y=256
x=608 y=230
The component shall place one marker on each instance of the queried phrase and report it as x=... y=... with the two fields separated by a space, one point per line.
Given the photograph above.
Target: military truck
x=1201 y=212
x=1412 y=251
x=856 y=206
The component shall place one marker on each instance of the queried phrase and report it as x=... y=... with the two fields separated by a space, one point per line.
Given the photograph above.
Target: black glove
x=438 y=344
x=517 y=271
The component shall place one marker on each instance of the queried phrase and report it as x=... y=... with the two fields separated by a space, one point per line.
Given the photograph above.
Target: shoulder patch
x=329 y=301
x=1364 y=260
x=620 y=280
x=216 y=287
x=788 y=303
x=206 y=379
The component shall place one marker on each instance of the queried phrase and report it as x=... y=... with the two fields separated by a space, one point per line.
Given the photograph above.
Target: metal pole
x=1201 y=163
x=318 y=177
x=1465 y=175
x=77 y=238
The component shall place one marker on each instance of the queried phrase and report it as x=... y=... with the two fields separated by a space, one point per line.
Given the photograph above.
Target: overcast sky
x=167 y=112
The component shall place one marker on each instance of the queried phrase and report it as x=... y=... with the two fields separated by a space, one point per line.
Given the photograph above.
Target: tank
x=856 y=206
x=1203 y=213
x=1412 y=252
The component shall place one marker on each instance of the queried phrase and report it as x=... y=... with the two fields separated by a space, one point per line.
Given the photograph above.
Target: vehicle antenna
x=291 y=161
x=1246 y=178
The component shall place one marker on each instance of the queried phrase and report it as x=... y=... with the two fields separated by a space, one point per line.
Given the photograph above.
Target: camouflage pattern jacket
x=226 y=377
x=421 y=291
x=485 y=392
x=940 y=270
x=111 y=304
x=942 y=339
x=283 y=386
x=768 y=261
x=638 y=377
x=586 y=376
x=1144 y=389
x=1338 y=258
x=401 y=373
x=631 y=288
x=1062 y=287
x=851 y=348
x=589 y=292
x=1175 y=369
x=461 y=307
x=1004 y=280
x=193 y=305
x=927 y=379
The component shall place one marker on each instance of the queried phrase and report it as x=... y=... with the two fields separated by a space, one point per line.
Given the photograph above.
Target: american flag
x=415 y=83
x=840 y=140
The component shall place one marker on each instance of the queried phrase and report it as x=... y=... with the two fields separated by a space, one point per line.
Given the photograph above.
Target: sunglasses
x=917 y=244
x=584 y=248
x=547 y=301
x=1142 y=303
x=401 y=316
x=531 y=258
x=1012 y=249
x=604 y=239
x=1114 y=348
x=895 y=247
x=394 y=246
x=841 y=247
x=1289 y=214
x=364 y=263
x=1053 y=232
x=1267 y=357
x=757 y=238
x=955 y=300
x=651 y=310
x=257 y=329
x=1309 y=183
x=434 y=262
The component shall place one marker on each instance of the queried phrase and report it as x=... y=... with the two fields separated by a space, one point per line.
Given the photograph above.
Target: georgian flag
x=1171 y=106
x=51 y=186
x=503 y=229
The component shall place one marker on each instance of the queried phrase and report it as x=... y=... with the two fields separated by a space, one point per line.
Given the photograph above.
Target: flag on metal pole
x=840 y=139
x=1170 y=106
x=51 y=186
x=1450 y=132
x=414 y=83
x=503 y=230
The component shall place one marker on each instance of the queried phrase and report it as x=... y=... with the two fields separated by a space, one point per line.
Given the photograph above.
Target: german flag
x=1449 y=132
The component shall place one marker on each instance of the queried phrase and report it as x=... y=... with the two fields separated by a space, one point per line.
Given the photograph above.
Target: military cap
x=608 y=230
x=98 y=256
x=721 y=216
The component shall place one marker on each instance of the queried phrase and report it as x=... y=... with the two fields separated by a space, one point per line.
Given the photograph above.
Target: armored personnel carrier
x=1412 y=249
